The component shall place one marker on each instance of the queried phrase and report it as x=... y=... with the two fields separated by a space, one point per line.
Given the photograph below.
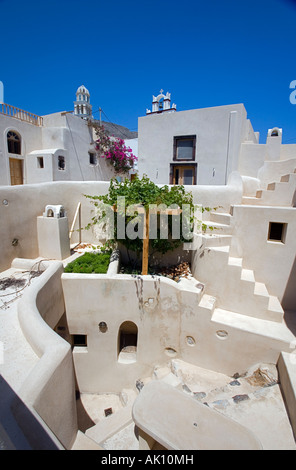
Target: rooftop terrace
x=254 y=400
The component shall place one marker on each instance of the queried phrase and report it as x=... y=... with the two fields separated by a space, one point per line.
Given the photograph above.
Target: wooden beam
x=141 y=210
x=145 y=253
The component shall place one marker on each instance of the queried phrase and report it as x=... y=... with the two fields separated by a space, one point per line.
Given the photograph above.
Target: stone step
x=83 y=442
x=233 y=261
x=247 y=275
x=220 y=217
x=251 y=200
x=285 y=178
x=166 y=375
x=207 y=302
x=260 y=289
x=110 y=425
x=216 y=239
x=277 y=193
x=221 y=249
x=248 y=297
x=258 y=326
x=275 y=309
x=217 y=227
x=221 y=253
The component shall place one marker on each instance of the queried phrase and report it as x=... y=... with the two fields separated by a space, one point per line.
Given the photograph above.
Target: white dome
x=82 y=89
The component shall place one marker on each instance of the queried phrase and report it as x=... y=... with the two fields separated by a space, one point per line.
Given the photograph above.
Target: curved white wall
x=49 y=387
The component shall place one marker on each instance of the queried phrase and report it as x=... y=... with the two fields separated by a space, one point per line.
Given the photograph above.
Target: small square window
x=40 y=162
x=184 y=148
x=92 y=158
x=277 y=232
x=61 y=163
x=79 y=340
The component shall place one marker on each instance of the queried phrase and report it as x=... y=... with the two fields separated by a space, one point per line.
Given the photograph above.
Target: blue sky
x=205 y=53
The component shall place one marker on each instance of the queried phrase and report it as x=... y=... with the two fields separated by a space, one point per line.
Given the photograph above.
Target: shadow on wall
x=19 y=427
x=294 y=200
x=288 y=300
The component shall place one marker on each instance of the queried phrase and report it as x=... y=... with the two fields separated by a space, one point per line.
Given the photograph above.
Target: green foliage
x=90 y=263
x=145 y=193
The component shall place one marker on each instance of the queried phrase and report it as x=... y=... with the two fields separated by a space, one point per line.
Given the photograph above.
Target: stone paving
x=254 y=400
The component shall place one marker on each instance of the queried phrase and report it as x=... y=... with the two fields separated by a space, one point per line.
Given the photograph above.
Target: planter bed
x=90 y=263
x=175 y=272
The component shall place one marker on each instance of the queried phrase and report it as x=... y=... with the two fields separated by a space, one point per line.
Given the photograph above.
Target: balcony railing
x=20 y=114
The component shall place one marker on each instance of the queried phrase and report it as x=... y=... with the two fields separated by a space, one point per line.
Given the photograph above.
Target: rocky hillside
x=119 y=131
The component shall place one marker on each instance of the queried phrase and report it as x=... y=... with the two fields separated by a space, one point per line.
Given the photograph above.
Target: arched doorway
x=14 y=147
x=127 y=342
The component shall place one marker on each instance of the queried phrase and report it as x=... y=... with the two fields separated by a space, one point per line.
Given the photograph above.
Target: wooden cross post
x=146 y=213
x=145 y=253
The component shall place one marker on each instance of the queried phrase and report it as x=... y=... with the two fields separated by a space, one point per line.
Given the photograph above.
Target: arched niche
x=127 y=342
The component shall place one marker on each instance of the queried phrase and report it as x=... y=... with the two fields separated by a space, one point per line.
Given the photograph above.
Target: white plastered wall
x=219 y=132
x=30 y=140
x=21 y=205
x=273 y=262
x=154 y=305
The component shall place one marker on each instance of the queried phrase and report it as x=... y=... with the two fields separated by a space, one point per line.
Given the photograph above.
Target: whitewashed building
x=107 y=361
x=54 y=147
x=203 y=146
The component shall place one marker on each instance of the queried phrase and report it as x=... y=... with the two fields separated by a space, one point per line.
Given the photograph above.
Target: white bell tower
x=161 y=103
x=82 y=106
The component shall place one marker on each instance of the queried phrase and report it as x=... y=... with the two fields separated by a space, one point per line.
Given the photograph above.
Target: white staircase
x=227 y=279
x=281 y=193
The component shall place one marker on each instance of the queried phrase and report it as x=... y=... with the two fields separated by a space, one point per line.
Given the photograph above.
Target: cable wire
x=117 y=129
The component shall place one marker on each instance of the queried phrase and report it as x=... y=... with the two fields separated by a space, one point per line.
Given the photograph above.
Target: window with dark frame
x=61 y=163
x=13 y=143
x=92 y=158
x=40 y=162
x=277 y=232
x=184 y=148
x=79 y=340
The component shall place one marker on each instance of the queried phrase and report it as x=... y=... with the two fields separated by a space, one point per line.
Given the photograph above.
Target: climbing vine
x=144 y=193
x=114 y=150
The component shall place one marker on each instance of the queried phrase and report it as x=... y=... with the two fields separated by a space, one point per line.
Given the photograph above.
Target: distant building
x=54 y=147
x=203 y=146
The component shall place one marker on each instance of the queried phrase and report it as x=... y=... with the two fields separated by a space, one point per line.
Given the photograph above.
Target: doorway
x=16 y=171
x=127 y=342
x=183 y=174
